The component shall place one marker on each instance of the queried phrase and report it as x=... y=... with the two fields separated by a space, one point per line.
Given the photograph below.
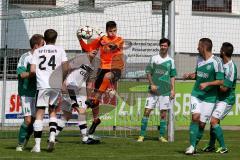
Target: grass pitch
x=120 y=148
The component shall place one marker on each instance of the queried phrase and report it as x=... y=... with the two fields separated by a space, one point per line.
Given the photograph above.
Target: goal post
x=171 y=37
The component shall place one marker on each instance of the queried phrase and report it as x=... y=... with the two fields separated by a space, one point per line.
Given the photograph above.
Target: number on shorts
x=193 y=106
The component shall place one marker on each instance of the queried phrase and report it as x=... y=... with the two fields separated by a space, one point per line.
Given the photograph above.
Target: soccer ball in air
x=85 y=32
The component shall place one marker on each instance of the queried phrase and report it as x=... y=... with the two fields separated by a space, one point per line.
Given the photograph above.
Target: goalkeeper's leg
x=102 y=83
x=105 y=78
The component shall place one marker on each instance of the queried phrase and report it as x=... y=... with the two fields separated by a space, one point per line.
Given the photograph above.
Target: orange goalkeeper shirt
x=111 y=58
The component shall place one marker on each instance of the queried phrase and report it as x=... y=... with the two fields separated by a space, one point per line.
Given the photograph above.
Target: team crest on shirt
x=209 y=67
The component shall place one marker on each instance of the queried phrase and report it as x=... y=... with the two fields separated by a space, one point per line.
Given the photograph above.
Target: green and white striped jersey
x=230 y=79
x=208 y=71
x=27 y=86
x=162 y=70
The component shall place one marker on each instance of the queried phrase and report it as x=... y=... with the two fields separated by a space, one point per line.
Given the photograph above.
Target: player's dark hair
x=50 y=36
x=165 y=40
x=35 y=39
x=110 y=25
x=207 y=43
x=227 y=48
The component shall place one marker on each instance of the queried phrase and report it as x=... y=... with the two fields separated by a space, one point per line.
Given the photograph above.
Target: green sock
x=162 y=127
x=212 y=137
x=144 y=126
x=193 y=131
x=217 y=129
x=22 y=133
x=199 y=135
x=30 y=131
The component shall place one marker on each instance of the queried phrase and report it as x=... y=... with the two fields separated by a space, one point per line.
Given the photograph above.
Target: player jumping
x=111 y=65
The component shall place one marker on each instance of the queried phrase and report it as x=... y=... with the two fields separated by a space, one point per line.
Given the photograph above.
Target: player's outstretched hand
x=79 y=36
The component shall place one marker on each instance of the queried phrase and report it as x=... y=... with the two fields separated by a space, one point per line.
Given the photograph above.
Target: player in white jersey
x=161 y=74
x=27 y=90
x=209 y=76
x=226 y=99
x=45 y=60
x=74 y=97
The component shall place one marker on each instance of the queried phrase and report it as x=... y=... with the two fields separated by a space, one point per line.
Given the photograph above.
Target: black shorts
x=100 y=75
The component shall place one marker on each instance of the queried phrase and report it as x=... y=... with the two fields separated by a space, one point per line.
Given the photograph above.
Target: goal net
x=141 y=23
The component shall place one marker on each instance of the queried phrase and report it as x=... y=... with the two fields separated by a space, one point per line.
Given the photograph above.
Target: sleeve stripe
x=220 y=68
x=230 y=73
x=22 y=60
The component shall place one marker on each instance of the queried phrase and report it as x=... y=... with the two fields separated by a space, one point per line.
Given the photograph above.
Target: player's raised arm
x=88 y=47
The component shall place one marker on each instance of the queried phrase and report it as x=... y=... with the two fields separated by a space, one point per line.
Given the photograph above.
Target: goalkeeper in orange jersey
x=111 y=65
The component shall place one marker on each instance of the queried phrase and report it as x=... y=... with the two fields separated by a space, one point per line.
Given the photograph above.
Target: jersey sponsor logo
x=209 y=67
x=202 y=74
x=161 y=72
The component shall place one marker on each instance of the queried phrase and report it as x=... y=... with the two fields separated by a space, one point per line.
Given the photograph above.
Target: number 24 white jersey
x=47 y=59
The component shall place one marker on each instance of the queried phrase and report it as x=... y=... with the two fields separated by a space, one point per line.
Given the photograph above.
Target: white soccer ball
x=85 y=32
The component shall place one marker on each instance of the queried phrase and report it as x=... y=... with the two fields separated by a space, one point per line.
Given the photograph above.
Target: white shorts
x=46 y=97
x=66 y=102
x=77 y=78
x=221 y=110
x=28 y=106
x=205 y=109
x=152 y=101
